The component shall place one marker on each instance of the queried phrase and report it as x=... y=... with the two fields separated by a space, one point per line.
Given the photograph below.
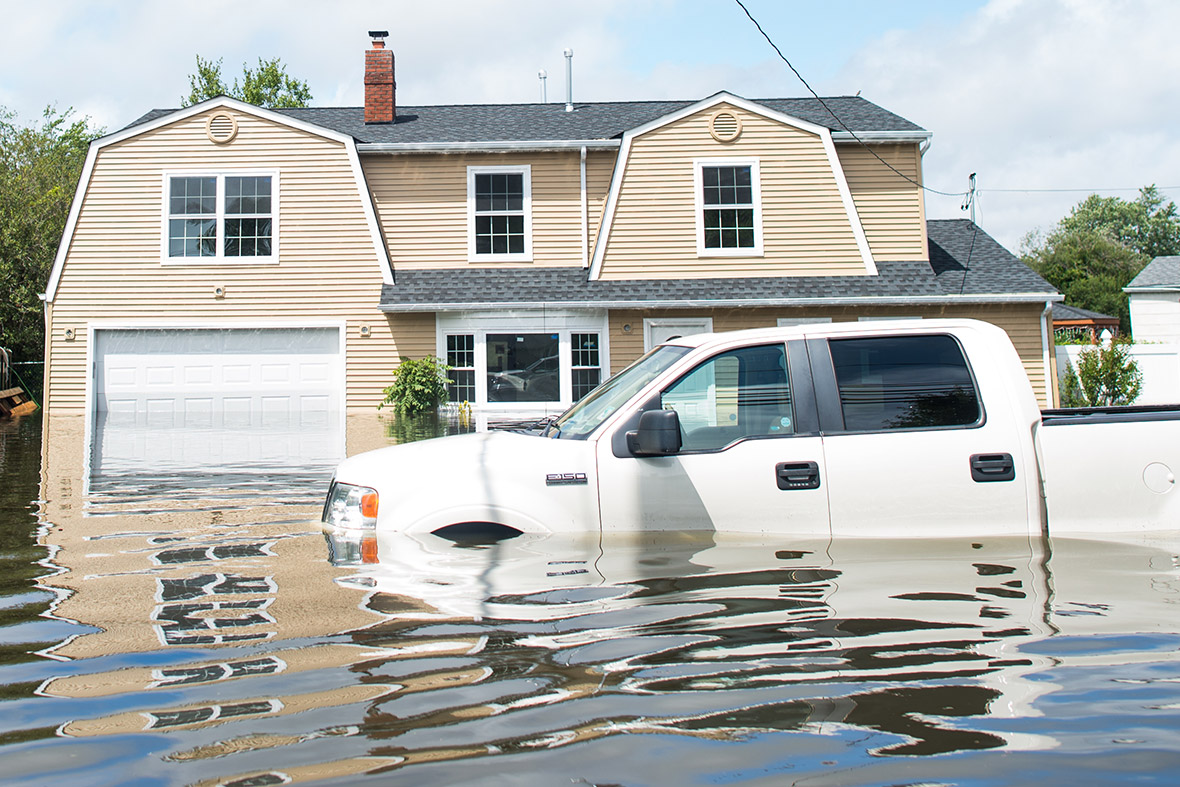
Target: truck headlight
x=351 y=507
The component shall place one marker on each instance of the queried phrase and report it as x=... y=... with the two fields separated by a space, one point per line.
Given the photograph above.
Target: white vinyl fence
x=1160 y=364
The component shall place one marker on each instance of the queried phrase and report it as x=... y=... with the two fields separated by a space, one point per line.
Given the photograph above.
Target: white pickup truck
x=923 y=428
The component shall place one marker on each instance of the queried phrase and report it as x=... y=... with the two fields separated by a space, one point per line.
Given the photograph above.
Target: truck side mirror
x=658 y=434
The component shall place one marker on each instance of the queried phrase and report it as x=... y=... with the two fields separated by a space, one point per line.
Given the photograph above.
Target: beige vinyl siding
x=806 y=229
x=421 y=202
x=327 y=272
x=891 y=208
x=600 y=165
x=1022 y=322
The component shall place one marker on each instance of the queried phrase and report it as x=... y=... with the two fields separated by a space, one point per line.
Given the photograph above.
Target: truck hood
x=531 y=483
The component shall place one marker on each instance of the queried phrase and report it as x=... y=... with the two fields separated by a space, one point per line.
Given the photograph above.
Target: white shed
x=1155 y=302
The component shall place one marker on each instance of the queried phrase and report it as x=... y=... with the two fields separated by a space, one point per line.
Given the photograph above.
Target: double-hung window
x=221 y=218
x=499 y=214
x=729 y=207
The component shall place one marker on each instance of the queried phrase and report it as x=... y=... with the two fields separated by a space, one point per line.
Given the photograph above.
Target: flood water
x=167 y=626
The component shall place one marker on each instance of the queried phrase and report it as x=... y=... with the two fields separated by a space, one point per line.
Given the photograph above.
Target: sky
x=1046 y=101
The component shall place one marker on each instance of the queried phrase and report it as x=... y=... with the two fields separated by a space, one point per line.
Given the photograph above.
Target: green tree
x=1092 y=253
x=269 y=85
x=40 y=166
x=1145 y=225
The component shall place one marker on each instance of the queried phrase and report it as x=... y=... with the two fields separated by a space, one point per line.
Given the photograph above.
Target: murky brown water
x=164 y=626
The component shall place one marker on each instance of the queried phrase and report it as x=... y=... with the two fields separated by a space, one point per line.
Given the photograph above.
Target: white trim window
x=728 y=207
x=499 y=214
x=221 y=217
x=585 y=364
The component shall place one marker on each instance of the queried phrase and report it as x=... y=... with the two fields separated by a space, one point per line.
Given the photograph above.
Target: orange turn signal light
x=369 y=549
x=369 y=505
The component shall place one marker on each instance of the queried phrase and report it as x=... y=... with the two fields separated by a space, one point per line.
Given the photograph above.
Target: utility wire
x=1072 y=191
x=843 y=125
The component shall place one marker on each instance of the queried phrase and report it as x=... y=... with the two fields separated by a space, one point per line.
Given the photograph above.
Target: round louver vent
x=725 y=126
x=221 y=128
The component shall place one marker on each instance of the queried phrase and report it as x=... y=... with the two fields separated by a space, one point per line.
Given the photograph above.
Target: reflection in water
x=150 y=460
x=215 y=644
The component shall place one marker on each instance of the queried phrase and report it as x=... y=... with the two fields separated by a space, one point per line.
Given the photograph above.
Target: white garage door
x=206 y=377
x=232 y=399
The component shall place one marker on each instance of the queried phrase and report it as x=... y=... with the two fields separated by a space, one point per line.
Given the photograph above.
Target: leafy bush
x=1107 y=375
x=419 y=385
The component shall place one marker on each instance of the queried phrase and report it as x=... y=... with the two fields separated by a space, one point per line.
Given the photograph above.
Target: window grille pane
x=728 y=228
x=727 y=185
x=499 y=234
x=585 y=381
x=249 y=196
x=462 y=387
x=904 y=382
x=499 y=192
x=192 y=237
x=584 y=349
x=247 y=237
x=192 y=196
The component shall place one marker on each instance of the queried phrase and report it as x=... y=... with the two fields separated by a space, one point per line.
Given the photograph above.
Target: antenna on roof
x=969 y=197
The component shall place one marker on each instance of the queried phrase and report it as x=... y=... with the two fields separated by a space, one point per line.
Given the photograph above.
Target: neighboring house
x=1154 y=297
x=1072 y=324
x=228 y=264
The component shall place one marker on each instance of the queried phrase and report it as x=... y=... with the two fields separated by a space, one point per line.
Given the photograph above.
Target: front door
x=749 y=461
x=656 y=331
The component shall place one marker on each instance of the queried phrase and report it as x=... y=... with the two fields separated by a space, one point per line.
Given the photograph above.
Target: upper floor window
x=729 y=207
x=220 y=217
x=499 y=213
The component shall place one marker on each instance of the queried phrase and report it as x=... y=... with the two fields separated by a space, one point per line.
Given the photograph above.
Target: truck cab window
x=904 y=382
x=737 y=394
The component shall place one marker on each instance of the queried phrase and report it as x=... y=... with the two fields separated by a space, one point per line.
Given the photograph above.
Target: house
x=225 y=264
x=1154 y=297
x=1071 y=323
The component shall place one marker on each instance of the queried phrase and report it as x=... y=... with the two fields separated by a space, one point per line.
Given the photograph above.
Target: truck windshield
x=584 y=417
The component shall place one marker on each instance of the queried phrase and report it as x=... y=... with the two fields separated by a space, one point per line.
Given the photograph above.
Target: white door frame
x=690 y=325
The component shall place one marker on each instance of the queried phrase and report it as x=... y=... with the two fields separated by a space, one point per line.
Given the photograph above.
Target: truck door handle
x=992 y=467
x=797 y=475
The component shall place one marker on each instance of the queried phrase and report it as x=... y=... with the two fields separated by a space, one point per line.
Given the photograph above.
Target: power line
x=843 y=125
x=1071 y=191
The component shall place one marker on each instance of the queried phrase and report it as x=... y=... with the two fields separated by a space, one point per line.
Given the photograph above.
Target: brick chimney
x=380 y=103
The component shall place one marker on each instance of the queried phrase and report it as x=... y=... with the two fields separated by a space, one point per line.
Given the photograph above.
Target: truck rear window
x=904 y=382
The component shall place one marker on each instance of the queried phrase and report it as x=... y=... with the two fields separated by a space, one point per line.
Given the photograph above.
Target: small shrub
x=419 y=385
x=1109 y=375
x=1070 y=389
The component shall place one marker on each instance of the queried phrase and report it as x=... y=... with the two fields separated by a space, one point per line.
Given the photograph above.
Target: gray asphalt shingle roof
x=472 y=123
x=1162 y=272
x=1063 y=312
x=990 y=270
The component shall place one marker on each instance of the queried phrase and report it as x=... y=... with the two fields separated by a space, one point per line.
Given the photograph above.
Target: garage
x=187 y=399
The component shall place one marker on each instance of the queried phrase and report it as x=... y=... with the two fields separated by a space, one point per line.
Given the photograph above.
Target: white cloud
x=1036 y=94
